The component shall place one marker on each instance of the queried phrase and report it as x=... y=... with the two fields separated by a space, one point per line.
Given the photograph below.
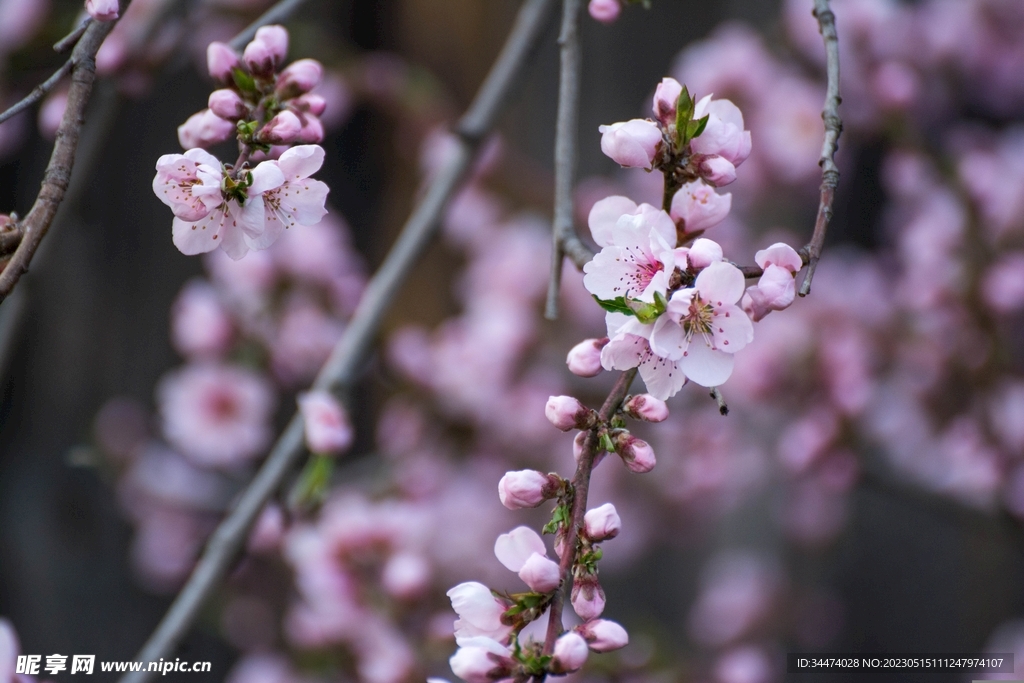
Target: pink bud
x=570 y=653
x=479 y=612
x=328 y=431
x=584 y=359
x=204 y=129
x=601 y=523
x=227 y=104
x=312 y=131
x=665 y=99
x=526 y=489
x=299 y=77
x=636 y=453
x=777 y=287
x=603 y=635
x=566 y=412
x=310 y=103
x=540 y=574
x=647 y=408
x=281 y=130
x=697 y=207
x=267 y=50
x=754 y=304
x=220 y=60
x=517 y=546
x=588 y=597
x=605 y=11
x=482 y=660
x=102 y=10
x=723 y=135
x=703 y=253
x=717 y=170
x=632 y=144
x=780 y=254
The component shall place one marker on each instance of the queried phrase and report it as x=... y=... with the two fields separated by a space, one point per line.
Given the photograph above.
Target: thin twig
x=565 y=146
x=723 y=407
x=68 y=41
x=833 y=129
x=348 y=357
x=278 y=13
x=39 y=92
x=581 y=488
x=62 y=160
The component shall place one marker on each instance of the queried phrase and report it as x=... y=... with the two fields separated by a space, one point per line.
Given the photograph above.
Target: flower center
x=698 y=319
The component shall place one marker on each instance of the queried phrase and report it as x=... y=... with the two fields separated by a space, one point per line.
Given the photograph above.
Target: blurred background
x=864 y=495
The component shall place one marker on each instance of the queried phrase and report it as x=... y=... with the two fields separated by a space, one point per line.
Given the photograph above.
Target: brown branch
x=69 y=41
x=9 y=241
x=581 y=488
x=833 y=129
x=565 y=147
x=39 y=92
x=348 y=358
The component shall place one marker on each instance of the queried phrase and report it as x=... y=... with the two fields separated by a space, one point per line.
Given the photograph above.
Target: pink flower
x=299 y=77
x=697 y=207
x=605 y=215
x=515 y=548
x=587 y=597
x=199 y=324
x=647 y=408
x=312 y=131
x=482 y=660
x=584 y=359
x=540 y=574
x=204 y=129
x=703 y=253
x=217 y=415
x=629 y=348
x=603 y=635
x=707 y=311
x=102 y=10
x=526 y=489
x=233 y=227
x=717 y=170
x=601 y=523
x=724 y=135
x=570 y=653
x=220 y=60
x=637 y=454
x=666 y=97
x=566 y=412
x=267 y=51
x=479 y=613
x=283 y=129
x=775 y=291
x=605 y=11
x=632 y=144
x=635 y=265
x=226 y=104
x=299 y=200
x=189 y=183
x=328 y=431
x=780 y=254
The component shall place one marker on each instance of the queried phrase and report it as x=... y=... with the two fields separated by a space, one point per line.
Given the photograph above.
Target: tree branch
x=833 y=129
x=347 y=359
x=581 y=488
x=68 y=41
x=38 y=92
x=565 y=147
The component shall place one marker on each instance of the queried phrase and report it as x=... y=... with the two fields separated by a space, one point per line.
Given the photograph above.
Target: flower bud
x=566 y=412
x=636 y=453
x=777 y=287
x=601 y=523
x=780 y=254
x=570 y=653
x=587 y=597
x=310 y=103
x=328 y=431
x=703 y=253
x=584 y=359
x=527 y=488
x=697 y=207
x=479 y=612
x=267 y=50
x=723 y=135
x=647 y=408
x=665 y=99
x=102 y=10
x=717 y=170
x=281 y=130
x=204 y=129
x=603 y=635
x=299 y=77
x=540 y=574
x=605 y=11
x=220 y=60
x=632 y=144
x=312 y=131
x=226 y=104
x=482 y=660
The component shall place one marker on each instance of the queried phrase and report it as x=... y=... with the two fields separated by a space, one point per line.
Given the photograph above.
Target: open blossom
x=703 y=327
x=723 y=135
x=328 y=430
x=605 y=214
x=629 y=348
x=482 y=660
x=636 y=265
x=299 y=200
x=189 y=183
x=632 y=144
x=697 y=207
x=479 y=613
x=522 y=550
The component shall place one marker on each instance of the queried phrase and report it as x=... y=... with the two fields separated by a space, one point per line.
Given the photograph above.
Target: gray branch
x=348 y=357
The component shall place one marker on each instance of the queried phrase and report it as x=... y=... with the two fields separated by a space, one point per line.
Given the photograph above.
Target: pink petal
x=266 y=176
x=732 y=329
x=605 y=214
x=301 y=161
x=704 y=366
x=720 y=282
x=515 y=548
x=663 y=378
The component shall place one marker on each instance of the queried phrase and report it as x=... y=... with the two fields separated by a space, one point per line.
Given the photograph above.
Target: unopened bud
x=483 y=660
x=605 y=11
x=527 y=488
x=281 y=130
x=540 y=574
x=102 y=10
x=204 y=129
x=703 y=253
x=566 y=412
x=603 y=635
x=587 y=597
x=665 y=98
x=220 y=60
x=601 y=523
x=312 y=131
x=717 y=170
x=226 y=104
x=632 y=144
x=647 y=408
x=584 y=359
x=636 y=453
x=310 y=103
x=299 y=77
x=328 y=431
x=267 y=50
x=570 y=653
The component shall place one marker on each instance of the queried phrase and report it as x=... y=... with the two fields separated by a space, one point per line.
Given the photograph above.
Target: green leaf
x=695 y=128
x=684 y=113
x=559 y=516
x=607 y=443
x=616 y=305
x=311 y=488
x=243 y=79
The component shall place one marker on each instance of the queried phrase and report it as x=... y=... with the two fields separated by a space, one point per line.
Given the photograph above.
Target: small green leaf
x=243 y=79
x=684 y=113
x=559 y=516
x=646 y=313
x=616 y=305
x=311 y=488
x=607 y=443
x=695 y=128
